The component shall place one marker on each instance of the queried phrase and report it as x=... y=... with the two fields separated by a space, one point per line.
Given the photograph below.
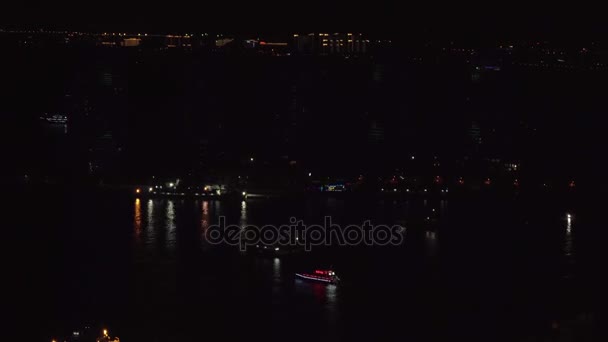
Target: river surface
x=488 y=270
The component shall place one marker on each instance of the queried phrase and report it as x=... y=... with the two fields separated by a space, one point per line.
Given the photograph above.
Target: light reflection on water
x=276 y=276
x=137 y=220
x=170 y=224
x=149 y=222
x=276 y=269
x=150 y=229
x=155 y=227
x=430 y=239
x=443 y=208
x=159 y=230
x=243 y=217
x=325 y=294
x=568 y=243
x=205 y=216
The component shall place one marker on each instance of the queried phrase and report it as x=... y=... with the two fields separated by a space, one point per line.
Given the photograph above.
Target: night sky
x=489 y=20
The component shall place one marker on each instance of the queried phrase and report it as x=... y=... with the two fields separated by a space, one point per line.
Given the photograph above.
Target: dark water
x=491 y=270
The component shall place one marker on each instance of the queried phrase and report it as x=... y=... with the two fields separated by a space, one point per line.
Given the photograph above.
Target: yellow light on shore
x=105 y=332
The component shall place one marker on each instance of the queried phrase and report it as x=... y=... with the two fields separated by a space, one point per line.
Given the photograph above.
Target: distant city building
x=107 y=78
x=250 y=43
x=223 y=41
x=376 y=132
x=131 y=42
x=176 y=41
x=274 y=48
x=334 y=43
x=475 y=133
x=103 y=155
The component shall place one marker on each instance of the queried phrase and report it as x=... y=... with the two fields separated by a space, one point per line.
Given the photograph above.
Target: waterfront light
x=150 y=189
x=137 y=190
x=171 y=185
x=276 y=248
x=105 y=332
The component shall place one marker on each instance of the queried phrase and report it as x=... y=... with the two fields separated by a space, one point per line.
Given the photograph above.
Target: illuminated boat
x=324 y=276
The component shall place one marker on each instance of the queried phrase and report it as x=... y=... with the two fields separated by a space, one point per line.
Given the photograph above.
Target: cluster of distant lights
x=334 y=187
x=206 y=191
x=266 y=247
x=76 y=334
